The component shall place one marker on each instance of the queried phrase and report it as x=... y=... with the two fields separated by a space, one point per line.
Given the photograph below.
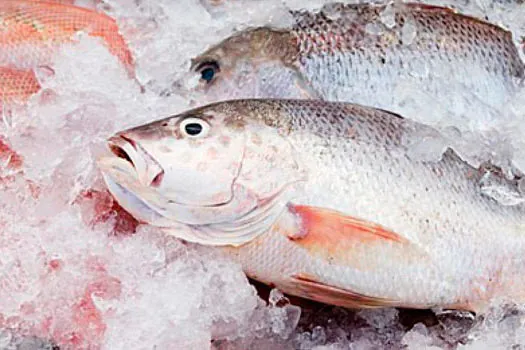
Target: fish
x=401 y=57
x=31 y=31
x=323 y=200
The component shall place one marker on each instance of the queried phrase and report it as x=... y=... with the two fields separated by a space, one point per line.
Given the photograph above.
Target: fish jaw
x=117 y=174
x=149 y=171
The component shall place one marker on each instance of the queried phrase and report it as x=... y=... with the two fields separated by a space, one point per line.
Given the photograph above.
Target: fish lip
x=147 y=167
x=113 y=172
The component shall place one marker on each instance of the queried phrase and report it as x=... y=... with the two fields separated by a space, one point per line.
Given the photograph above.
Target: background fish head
x=256 y=63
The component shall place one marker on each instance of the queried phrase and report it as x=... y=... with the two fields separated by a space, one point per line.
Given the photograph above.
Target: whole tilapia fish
x=31 y=31
x=398 y=57
x=323 y=201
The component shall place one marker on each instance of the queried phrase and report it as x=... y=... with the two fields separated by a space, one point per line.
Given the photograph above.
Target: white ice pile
x=73 y=274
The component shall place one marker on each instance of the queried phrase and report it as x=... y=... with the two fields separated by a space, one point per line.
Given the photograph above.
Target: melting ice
x=78 y=272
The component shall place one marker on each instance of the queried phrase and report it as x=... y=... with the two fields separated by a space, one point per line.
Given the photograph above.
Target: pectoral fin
x=345 y=240
x=338 y=226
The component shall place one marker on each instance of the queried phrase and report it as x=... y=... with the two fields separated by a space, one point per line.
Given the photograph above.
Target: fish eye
x=208 y=71
x=194 y=127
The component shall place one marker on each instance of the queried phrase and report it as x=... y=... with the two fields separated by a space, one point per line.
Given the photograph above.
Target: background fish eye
x=208 y=70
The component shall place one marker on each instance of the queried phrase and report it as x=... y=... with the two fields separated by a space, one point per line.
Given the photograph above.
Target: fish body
x=31 y=31
x=400 y=57
x=322 y=200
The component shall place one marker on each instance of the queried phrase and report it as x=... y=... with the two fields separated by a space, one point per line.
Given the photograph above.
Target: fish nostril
x=157 y=179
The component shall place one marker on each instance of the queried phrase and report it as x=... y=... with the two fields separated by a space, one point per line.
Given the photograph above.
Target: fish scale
x=17 y=85
x=354 y=220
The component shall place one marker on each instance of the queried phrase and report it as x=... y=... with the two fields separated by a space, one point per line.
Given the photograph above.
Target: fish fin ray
x=332 y=224
x=348 y=241
x=451 y=11
x=428 y=8
x=311 y=288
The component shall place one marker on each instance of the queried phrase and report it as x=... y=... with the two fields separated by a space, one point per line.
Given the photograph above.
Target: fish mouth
x=149 y=171
x=117 y=150
x=119 y=176
x=130 y=173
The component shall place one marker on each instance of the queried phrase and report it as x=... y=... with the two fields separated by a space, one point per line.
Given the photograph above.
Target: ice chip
x=283 y=316
x=277 y=298
x=408 y=33
x=375 y=28
x=332 y=11
x=418 y=338
x=318 y=335
x=379 y=319
x=5 y=339
x=521 y=185
x=419 y=69
x=502 y=191
x=388 y=16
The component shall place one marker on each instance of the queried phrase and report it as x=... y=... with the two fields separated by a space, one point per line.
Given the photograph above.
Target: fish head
x=210 y=169
x=255 y=63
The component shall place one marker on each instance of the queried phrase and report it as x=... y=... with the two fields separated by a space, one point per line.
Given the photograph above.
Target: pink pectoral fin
x=334 y=225
x=308 y=287
x=349 y=241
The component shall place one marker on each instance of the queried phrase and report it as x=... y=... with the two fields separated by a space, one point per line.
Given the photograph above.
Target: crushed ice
x=78 y=272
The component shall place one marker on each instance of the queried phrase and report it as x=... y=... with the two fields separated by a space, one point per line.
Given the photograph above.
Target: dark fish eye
x=193 y=129
x=208 y=70
x=207 y=74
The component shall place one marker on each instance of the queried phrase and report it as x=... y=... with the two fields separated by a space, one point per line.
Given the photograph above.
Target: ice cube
x=408 y=32
x=388 y=16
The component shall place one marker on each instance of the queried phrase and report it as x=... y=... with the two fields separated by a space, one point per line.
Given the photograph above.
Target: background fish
x=401 y=57
x=17 y=85
x=322 y=201
x=31 y=31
